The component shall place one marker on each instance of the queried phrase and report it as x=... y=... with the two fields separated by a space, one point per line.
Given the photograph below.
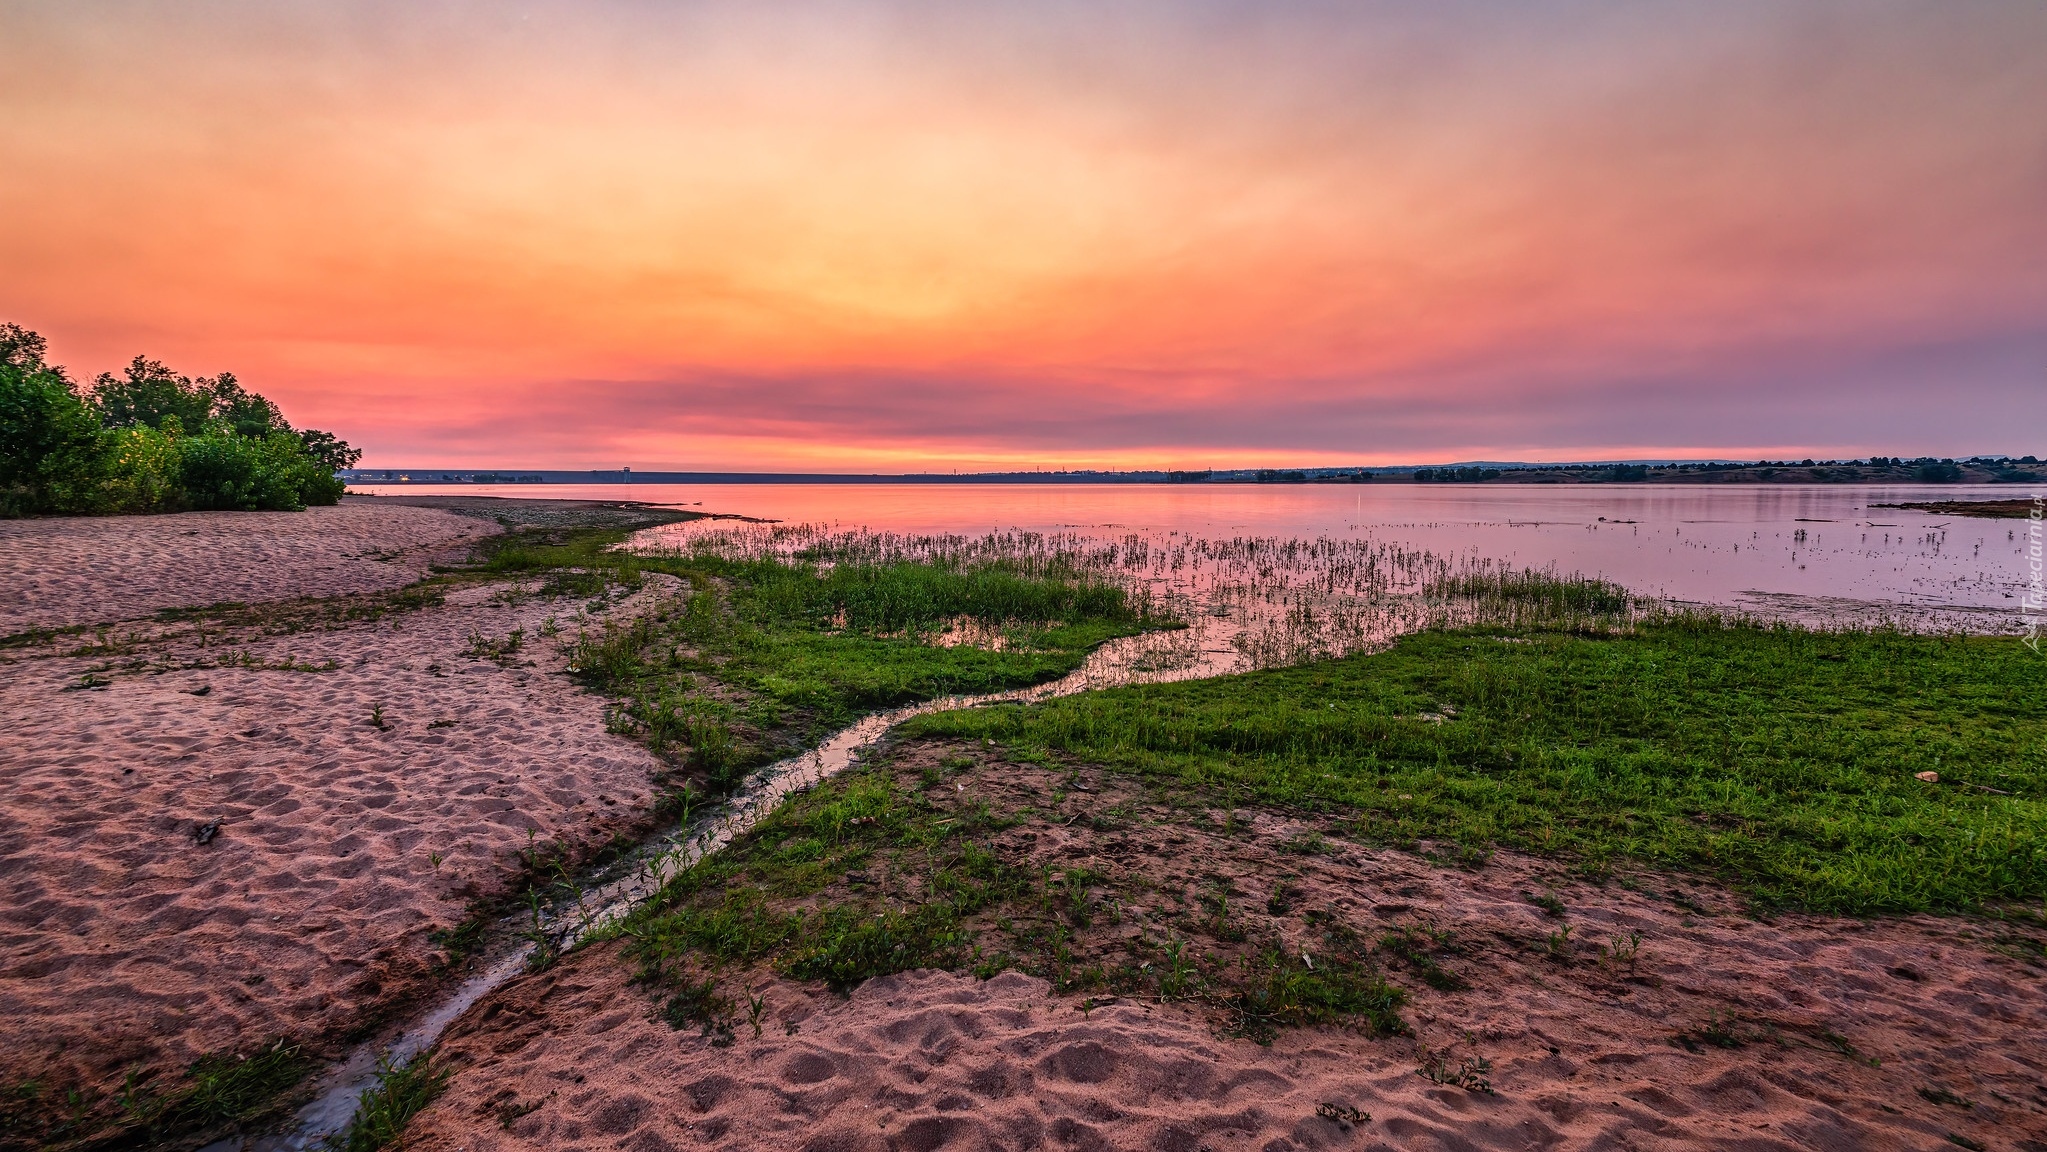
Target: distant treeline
x=1876 y=469
x=150 y=440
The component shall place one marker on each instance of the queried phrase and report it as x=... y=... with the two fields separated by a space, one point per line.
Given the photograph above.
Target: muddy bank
x=1991 y=509
x=1666 y=1016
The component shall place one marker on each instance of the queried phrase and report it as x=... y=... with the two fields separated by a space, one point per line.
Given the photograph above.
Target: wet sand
x=1851 y=1034
x=126 y=942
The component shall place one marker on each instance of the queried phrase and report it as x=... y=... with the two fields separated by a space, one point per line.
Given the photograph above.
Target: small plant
x=756 y=1007
x=514 y=1110
x=1178 y=977
x=1625 y=949
x=1835 y=1042
x=699 y=1005
x=377 y=719
x=1342 y=1114
x=434 y=858
x=1415 y=950
x=1473 y=1073
x=1720 y=1032
x=1283 y=899
x=1219 y=923
x=503 y=651
x=1276 y=992
x=1559 y=945
x=464 y=938
x=1548 y=902
x=402 y=1090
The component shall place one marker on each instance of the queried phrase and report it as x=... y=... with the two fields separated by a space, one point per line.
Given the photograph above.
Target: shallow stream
x=1207 y=649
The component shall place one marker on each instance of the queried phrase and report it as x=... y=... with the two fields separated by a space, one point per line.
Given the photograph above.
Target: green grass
x=763 y=658
x=1779 y=760
x=401 y=1092
x=216 y=1092
x=873 y=873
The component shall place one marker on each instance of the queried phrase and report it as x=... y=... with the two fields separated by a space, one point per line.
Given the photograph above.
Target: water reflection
x=1711 y=544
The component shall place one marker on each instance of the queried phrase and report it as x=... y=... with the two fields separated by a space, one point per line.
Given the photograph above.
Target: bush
x=144 y=466
x=221 y=471
x=125 y=446
x=52 y=455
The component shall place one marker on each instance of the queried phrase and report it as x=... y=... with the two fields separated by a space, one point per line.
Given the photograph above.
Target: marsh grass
x=761 y=657
x=1777 y=759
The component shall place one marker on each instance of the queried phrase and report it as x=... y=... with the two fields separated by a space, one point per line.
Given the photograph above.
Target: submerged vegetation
x=150 y=441
x=1853 y=772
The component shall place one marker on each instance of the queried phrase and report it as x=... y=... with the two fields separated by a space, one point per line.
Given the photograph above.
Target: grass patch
x=401 y=1092
x=880 y=871
x=217 y=1092
x=762 y=658
x=1779 y=760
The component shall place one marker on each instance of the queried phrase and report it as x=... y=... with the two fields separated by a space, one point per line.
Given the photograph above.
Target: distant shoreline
x=1883 y=470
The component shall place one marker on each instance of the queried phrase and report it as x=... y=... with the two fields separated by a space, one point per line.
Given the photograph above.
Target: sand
x=125 y=942
x=67 y=570
x=1584 y=1055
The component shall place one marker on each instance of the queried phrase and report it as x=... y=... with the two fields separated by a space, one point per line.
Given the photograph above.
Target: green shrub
x=125 y=446
x=52 y=456
x=222 y=471
x=143 y=468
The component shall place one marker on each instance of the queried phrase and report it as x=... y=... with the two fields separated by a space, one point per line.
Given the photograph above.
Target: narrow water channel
x=1209 y=648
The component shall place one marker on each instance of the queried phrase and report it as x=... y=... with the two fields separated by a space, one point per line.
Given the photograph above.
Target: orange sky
x=973 y=235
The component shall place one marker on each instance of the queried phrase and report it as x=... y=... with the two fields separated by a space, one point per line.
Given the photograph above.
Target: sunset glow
x=874 y=236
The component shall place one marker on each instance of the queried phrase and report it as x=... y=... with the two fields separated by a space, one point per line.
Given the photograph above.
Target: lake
x=1771 y=548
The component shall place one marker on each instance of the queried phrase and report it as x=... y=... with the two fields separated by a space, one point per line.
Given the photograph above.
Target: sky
x=970 y=235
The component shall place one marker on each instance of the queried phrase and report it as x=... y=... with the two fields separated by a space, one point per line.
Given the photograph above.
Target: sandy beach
x=66 y=570
x=250 y=833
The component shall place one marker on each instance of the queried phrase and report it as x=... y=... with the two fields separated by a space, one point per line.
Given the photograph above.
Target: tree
x=329 y=449
x=150 y=440
x=248 y=413
x=146 y=392
x=52 y=453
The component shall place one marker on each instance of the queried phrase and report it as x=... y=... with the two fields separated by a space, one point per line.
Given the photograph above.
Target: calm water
x=1748 y=546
